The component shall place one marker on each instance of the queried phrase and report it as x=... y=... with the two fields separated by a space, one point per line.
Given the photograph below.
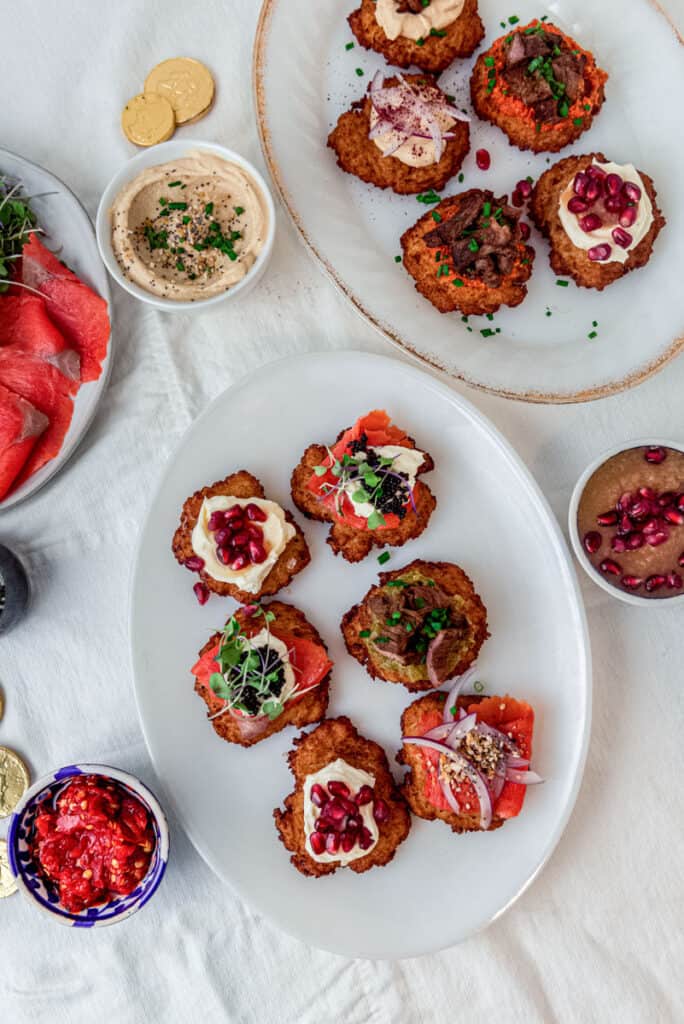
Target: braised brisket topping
x=410 y=620
x=411 y=6
x=542 y=71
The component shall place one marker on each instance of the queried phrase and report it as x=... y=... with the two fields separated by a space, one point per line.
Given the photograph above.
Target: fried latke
x=463 y=601
x=359 y=155
x=565 y=257
x=436 y=52
x=242 y=484
x=337 y=738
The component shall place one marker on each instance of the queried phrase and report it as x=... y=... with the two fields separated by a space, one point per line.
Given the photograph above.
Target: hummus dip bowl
x=600 y=470
x=166 y=154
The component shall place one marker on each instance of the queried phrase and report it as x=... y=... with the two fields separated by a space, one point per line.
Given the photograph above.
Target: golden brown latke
x=289 y=621
x=454 y=582
x=357 y=154
x=242 y=484
x=333 y=738
x=354 y=544
x=521 y=131
x=413 y=786
x=435 y=54
x=473 y=297
x=565 y=258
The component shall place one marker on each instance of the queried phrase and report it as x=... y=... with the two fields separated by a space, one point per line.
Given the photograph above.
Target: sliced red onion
x=506 y=741
x=454 y=694
x=458 y=731
x=497 y=784
x=513 y=761
x=420 y=741
x=523 y=778
x=409 y=115
x=449 y=796
x=440 y=732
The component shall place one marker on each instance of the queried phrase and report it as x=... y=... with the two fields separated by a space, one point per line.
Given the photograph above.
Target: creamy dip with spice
x=189 y=229
x=437 y=15
x=604 y=234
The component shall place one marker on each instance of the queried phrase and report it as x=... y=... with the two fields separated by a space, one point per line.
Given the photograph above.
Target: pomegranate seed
x=524 y=187
x=672 y=515
x=578 y=205
x=365 y=839
x=655 y=582
x=240 y=562
x=353 y=823
x=621 y=238
x=317 y=841
x=655 y=539
x=364 y=796
x=680 y=560
x=592 y=222
x=611 y=567
x=628 y=216
x=332 y=842
x=596 y=172
x=614 y=184
x=680 y=502
x=349 y=806
x=483 y=159
x=216 y=521
x=618 y=544
x=224 y=555
x=194 y=563
x=250 y=609
x=625 y=502
x=240 y=539
x=222 y=537
x=652 y=526
x=338 y=788
x=256 y=514
x=613 y=204
x=516 y=198
x=524 y=230
x=254 y=532
x=318 y=795
x=579 y=186
x=381 y=811
x=666 y=499
x=599 y=253
x=674 y=580
x=632 y=191
x=607 y=519
x=594 y=191
x=634 y=541
x=257 y=552
x=335 y=811
x=655 y=455
x=592 y=541
x=348 y=840
x=648 y=493
x=201 y=592
x=234 y=512
x=625 y=525
x=639 y=509
x=323 y=825
x=631 y=582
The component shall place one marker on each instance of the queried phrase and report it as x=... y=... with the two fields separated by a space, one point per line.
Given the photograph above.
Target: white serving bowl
x=161 y=154
x=576 y=541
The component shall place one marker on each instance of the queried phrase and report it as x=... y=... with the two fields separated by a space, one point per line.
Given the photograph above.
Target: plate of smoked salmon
x=54 y=326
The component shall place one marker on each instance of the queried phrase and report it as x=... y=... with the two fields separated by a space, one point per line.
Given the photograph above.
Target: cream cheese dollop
x=406 y=460
x=416 y=151
x=355 y=778
x=277 y=534
x=588 y=239
x=438 y=14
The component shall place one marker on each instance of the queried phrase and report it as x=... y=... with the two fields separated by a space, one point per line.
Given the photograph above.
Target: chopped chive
x=177 y=206
x=349 y=46
x=487 y=332
x=587 y=106
x=420 y=42
x=174 y=184
x=489 y=62
x=428 y=197
x=440 y=33
x=490 y=316
x=239 y=210
x=472 y=245
x=594 y=323
x=478 y=687
x=562 y=284
x=364 y=633
x=180 y=265
x=548 y=312
x=513 y=20
x=464 y=319
x=529 y=179
x=486 y=208
x=436 y=217
x=592 y=335
x=384 y=557
x=578 y=122
x=209 y=209
x=458 y=283
x=186 y=219
x=397 y=259
x=450 y=98
x=461 y=177
x=359 y=72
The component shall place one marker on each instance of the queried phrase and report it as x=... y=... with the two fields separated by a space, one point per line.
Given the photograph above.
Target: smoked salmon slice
x=26 y=326
x=21 y=424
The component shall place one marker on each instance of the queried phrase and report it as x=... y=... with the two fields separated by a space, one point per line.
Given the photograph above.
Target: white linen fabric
x=598 y=937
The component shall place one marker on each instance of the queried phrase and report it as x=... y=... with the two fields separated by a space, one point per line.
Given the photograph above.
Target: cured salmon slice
x=26 y=326
x=21 y=424
x=49 y=391
x=79 y=313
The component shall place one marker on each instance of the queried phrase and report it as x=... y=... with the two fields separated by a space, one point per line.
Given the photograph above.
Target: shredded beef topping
x=411 y=6
x=542 y=71
x=482 y=237
x=410 y=618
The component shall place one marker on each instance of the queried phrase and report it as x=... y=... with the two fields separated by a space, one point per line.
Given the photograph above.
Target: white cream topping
x=438 y=14
x=276 y=530
x=588 y=239
x=416 y=151
x=355 y=778
x=406 y=460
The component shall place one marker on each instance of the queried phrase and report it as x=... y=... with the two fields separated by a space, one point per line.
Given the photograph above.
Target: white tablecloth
x=599 y=935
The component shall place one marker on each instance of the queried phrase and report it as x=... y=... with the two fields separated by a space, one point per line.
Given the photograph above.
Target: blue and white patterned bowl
x=33 y=885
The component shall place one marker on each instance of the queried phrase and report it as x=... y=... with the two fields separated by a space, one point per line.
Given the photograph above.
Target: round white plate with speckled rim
x=491 y=519
x=304 y=77
x=69 y=232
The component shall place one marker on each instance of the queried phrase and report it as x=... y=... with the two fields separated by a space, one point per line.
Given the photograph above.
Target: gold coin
x=148 y=119
x=8 y=883
x=14 y=780
x=187 y=85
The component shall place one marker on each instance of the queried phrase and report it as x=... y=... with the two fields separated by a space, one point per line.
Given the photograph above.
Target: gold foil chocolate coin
x=8 y=883
x=14 y=780
x=148 y=119
x=186 y=83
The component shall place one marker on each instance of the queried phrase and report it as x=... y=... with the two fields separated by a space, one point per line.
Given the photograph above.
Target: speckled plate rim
x=537 y=397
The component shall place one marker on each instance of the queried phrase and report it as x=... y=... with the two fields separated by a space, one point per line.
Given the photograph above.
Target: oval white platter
x=492 y=520
x=304 y=78
x=69 y=232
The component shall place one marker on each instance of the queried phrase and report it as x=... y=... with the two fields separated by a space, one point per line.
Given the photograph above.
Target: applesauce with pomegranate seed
x=630 y=521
